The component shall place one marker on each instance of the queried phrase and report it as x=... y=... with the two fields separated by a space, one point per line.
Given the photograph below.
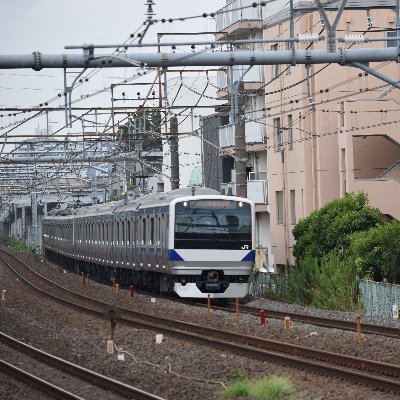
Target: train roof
x=157 y=199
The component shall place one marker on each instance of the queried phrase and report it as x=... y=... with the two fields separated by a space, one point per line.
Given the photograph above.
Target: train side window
x=143 y=230
x=152 y=230
x=128 y=232
x=123 y=232
x=159 y=229
x=117 y=233
x=165 y=229
x=108 y=233
x=134 y=230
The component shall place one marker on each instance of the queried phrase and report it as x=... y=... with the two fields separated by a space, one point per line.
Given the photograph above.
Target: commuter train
x=192 y=241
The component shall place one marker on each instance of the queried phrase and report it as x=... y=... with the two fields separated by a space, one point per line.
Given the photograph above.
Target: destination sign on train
x=212 y=204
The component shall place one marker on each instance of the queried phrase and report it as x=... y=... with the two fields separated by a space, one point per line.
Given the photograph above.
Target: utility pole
x=173 y=149
x=240 y=143
x=34 y=224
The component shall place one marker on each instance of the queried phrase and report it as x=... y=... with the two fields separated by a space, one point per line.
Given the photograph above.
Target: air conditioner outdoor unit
x=252 y=176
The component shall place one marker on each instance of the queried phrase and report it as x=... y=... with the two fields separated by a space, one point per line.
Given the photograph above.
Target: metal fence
x=266 y=282
x=379 y=298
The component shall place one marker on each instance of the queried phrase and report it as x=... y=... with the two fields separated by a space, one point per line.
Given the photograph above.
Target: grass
x=271 y=388
x=16 y=244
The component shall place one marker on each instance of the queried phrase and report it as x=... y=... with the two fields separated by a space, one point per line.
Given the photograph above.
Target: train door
x=165 y=228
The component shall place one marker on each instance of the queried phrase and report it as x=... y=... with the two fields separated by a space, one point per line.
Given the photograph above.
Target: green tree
x=375 y=253
x=141 y=132
x=330 y=228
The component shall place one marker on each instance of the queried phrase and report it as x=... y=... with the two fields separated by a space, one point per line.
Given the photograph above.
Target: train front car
x=211 y=246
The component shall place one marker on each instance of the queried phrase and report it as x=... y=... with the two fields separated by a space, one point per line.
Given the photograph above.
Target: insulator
x=354 y=39
x=308 y=38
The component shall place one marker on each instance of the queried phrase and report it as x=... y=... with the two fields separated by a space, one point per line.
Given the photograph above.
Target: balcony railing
x=234 y=12
x=257 y=191
x=255 y=74
x=227 y=136
x=254 y=133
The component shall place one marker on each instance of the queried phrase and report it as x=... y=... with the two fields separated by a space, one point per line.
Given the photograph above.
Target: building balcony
x=238 y=18
x=257 y=191
x=227 y=136
x=253 y=80
x=254 y=133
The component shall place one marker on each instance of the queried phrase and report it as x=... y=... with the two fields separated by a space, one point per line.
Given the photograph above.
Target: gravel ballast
x=174 y=369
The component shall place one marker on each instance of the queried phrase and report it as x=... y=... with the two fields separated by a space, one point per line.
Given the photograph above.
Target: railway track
x=319 y=321
x=378 y=375
x=88 y=384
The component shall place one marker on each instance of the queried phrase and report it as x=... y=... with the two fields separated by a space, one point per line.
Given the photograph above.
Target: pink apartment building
x=336 y=132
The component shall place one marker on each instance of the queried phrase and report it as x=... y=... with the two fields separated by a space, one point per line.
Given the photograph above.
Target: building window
x=275 y=68
x=290 y=131
x=293 y=207
x=279 y=202
x=277 y=134
x=391 y=43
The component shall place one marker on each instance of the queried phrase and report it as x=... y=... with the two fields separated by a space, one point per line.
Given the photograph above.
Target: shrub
x=16 y=244
x=335 y=284
x=271 y=388
x=375 y=254
x=329 y=228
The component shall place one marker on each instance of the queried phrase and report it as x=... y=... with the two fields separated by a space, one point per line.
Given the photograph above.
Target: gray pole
x=15 y=221
x=340 y=56
x=23 y=222
x=174 y=151
x=34 y=228
x=240 y=144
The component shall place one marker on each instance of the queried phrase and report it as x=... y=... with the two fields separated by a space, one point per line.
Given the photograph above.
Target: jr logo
x=245 y=247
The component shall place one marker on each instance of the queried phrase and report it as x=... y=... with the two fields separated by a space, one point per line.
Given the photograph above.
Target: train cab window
x=213 y=224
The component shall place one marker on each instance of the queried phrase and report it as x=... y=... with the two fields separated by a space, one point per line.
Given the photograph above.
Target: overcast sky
x=49 y=25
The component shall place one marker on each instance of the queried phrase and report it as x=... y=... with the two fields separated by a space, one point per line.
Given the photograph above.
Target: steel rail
x=368 y=372
x=76 y=370
x=370 y=329
x=36 y=382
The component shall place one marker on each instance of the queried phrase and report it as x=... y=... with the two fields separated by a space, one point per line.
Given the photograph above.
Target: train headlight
x=240 y=204
x=185 y=203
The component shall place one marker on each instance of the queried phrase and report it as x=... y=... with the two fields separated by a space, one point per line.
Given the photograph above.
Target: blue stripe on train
x=174 y=256
x=251 y=256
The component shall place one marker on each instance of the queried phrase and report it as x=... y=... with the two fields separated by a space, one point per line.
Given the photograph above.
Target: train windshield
x=213 y=224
